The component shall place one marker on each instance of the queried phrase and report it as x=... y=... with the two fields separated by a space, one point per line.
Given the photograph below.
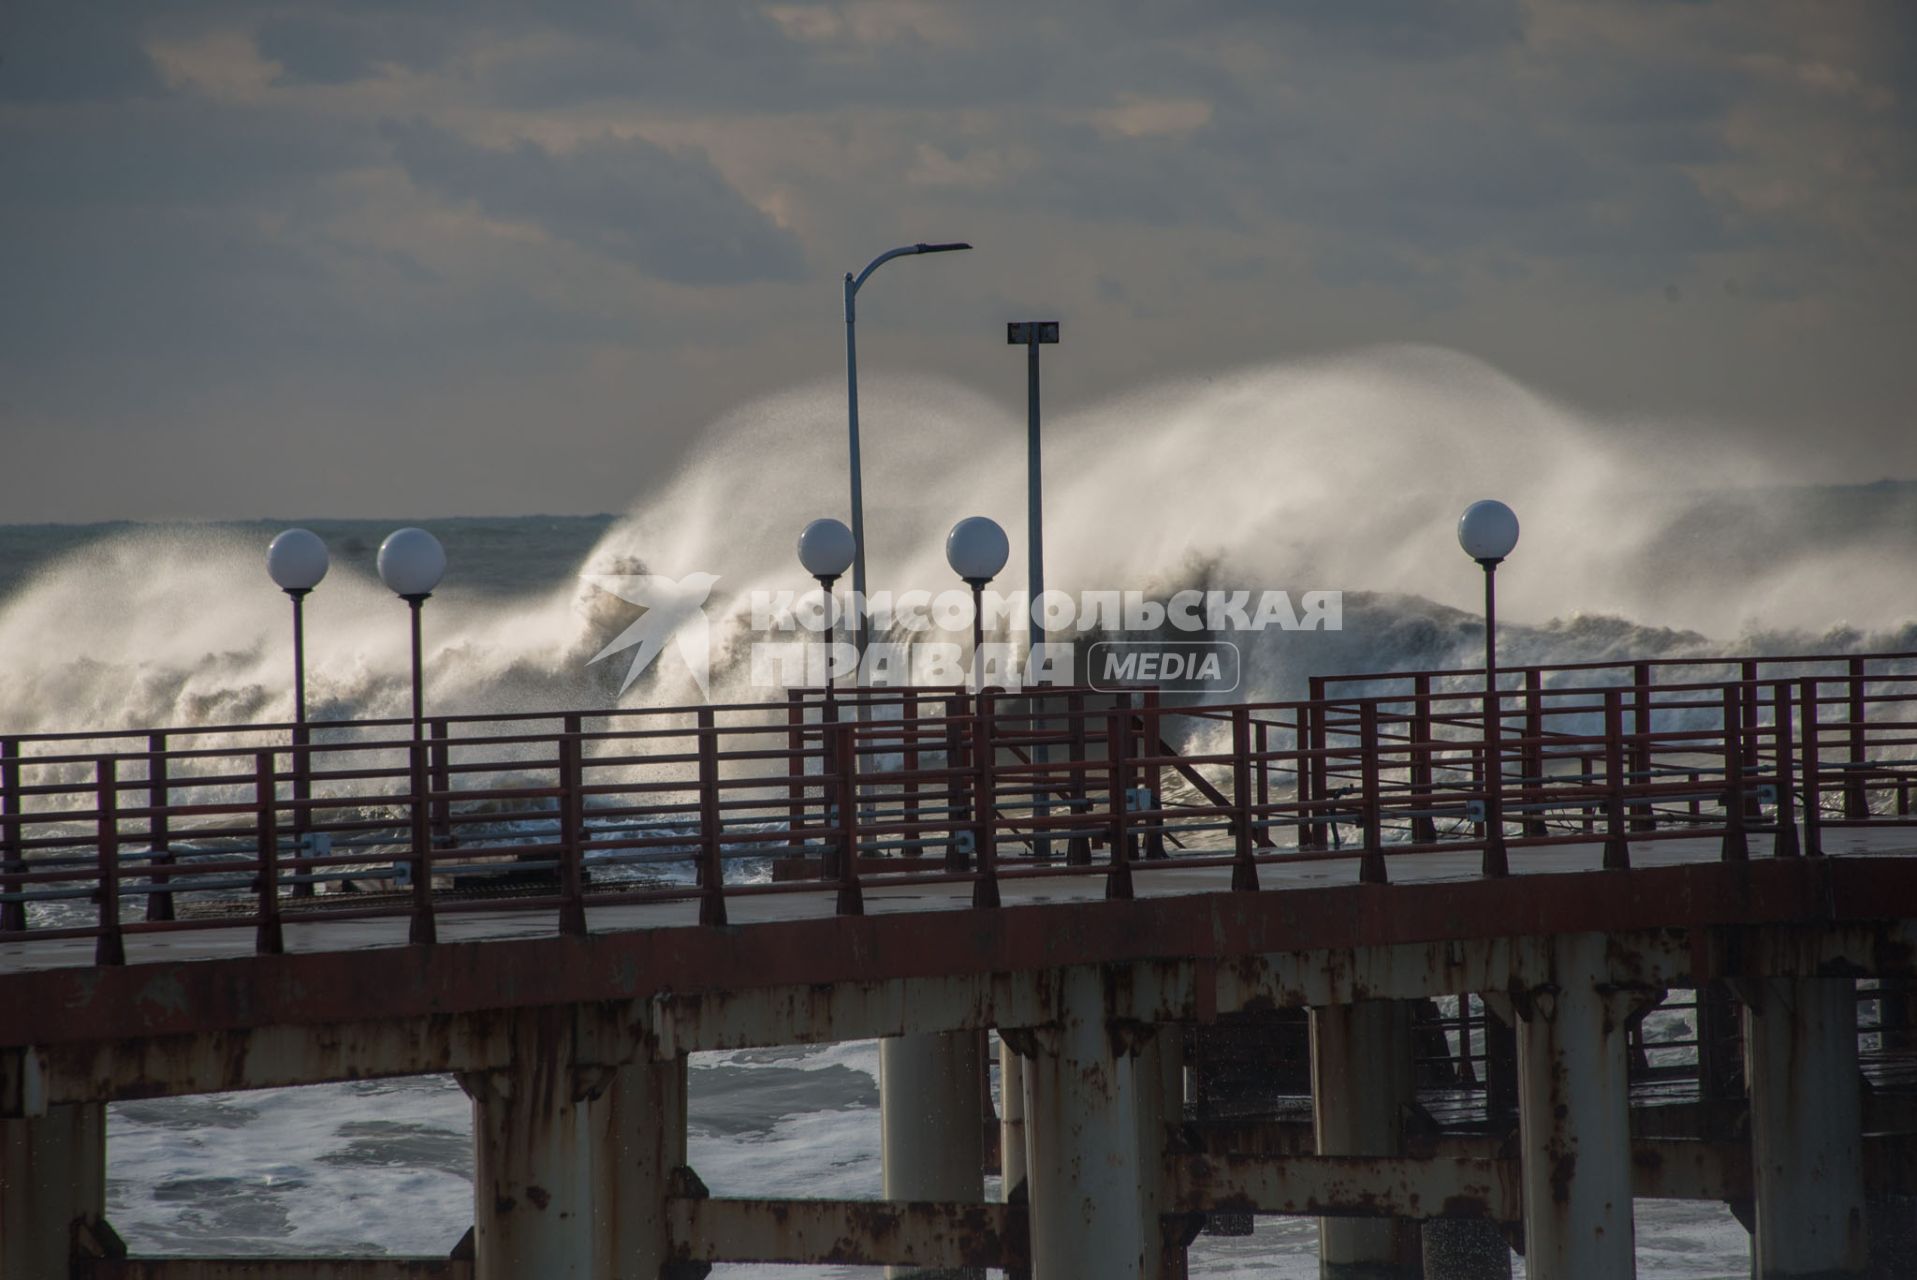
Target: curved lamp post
x=826 y=549
x=852 y=286
x=411 y=563
x=977 y=549
x=297 y=561
x=1488 y=531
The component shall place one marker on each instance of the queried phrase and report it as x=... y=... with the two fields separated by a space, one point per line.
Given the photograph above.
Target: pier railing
x=112 y=835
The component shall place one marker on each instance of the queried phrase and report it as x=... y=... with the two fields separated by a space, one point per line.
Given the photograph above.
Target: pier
x=1459 y=976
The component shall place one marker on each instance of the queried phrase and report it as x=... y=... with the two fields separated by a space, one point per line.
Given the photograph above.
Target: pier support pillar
x=1160 y=1069
x=639 y=1138
x=1087 y=1177
x=1362 y=1088
x=1574 y=1118
x=1800 y=1057
x=534 y=1169
x=52 y=1176
x=931 y=1122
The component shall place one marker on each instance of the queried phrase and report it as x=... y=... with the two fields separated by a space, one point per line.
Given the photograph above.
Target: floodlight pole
x=852 y=285
x=1033 y=334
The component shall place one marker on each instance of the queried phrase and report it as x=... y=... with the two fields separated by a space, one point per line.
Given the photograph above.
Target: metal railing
x=568 y=813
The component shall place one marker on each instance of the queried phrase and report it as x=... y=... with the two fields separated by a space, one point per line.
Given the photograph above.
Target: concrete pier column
x=638 y=1139
x=534 y=1170
x=1574 y=1118
x=931 y=1121
x=1086 y=1177
x=52 y=1175
x=1800 y=1058
x=1160 y=1070
x=1362 y=1088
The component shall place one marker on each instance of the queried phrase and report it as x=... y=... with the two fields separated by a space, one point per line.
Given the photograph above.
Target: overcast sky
x=472 y=256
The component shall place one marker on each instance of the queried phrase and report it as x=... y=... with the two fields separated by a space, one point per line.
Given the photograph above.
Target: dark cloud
x=61 y=51
x=668 y=212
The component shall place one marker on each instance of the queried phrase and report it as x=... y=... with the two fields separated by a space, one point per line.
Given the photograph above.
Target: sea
x=1341 y=474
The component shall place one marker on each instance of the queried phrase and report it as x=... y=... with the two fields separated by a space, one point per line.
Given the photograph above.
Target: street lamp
x=826 y=549
x=852 y=285
x=977 y=549
x=297 y=561
x=1487 y=531
x=411 y=563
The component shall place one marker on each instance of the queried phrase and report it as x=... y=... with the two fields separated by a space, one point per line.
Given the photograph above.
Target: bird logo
x=674 y=610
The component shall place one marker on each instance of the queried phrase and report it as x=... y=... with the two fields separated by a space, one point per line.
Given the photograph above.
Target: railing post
x=1736 y=844
x=1262 y=736
x=1856 y=802
x=1424 y=829
x=1643 y=816
x=159 y=902
x=1533 y=753
x=442 y=786
x=1244 y=871
x=1315 y=774
x=1808 y=736
x=268 y=941
x=712 y=877
x=13 y=911
x=1118 y=880
x=1785 y=844
x=960 y=732
x=1152 y=775
x=1078 y=849
x=1371 y=870
x=1747 y=698
x=111 y=947
x=301 y=763
x=424 y=929
x=572 y=828
x=795 y=766
x=1617 y=845
x=851 y=897
x=985 y=888
x=909 y=729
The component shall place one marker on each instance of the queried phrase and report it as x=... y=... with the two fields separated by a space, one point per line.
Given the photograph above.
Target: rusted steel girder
x=1202 y=929
x=847 y=1232
x=273 y=1269
x=1350 y=1186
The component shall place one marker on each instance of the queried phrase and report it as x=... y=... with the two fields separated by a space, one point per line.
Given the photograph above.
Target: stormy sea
x=1342 y=474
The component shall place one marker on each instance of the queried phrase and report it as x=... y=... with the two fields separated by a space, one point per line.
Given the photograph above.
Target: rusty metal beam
x=76 y=1005
x=1350 y=1186
x=818 y=1232
x=273 y=1269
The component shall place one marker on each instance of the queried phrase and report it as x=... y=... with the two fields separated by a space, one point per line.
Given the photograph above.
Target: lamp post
x=826 y=549
x=852 y=286
x=297 y=560
x=411 y=563
x=1488 y=530
x=1032 y=334
x=977 y=549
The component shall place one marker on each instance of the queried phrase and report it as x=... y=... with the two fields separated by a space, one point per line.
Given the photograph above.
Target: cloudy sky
x=470 y=256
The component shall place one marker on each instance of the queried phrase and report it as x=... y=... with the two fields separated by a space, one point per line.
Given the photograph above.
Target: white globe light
x=1488 y=530
x=826 y=548
x=411 y=562
x=976 y=549
x=297 y=560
